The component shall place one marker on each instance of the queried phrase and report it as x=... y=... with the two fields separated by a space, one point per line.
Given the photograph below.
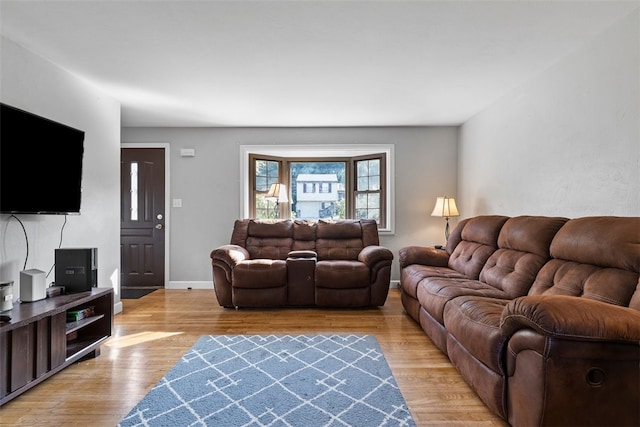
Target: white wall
x=567 y=143
x=209 y=184
x=29 y=82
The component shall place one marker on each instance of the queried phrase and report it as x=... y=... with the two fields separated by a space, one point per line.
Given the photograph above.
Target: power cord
x=59 y=244
x=26 y=238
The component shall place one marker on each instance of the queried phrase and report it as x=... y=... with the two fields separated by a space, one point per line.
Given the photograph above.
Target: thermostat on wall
x=187 y=152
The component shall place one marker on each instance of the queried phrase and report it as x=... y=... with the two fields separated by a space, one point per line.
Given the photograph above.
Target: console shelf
x=74 y=326
x=39 y=342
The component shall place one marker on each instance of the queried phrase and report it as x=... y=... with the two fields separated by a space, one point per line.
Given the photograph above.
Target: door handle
x=159 y=226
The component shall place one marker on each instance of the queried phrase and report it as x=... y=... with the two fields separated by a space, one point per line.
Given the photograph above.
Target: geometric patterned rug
x=276 y=380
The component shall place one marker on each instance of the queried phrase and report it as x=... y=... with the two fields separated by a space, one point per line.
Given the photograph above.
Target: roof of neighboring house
x=317 y=177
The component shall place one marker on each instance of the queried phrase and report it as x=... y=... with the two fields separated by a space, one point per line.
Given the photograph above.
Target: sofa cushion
x=270 y=228
x=479 y=239
x=339 y=240
x=259 y=274
x=582 y=239
x=269 y=248
x=582 y=268
x=435 y=292
x=532 y=234
x=469 y=317
x=339 y=229
x=611 y=285
x=476 y=347
x=411 y=276
x=240 y=232
x=523 y=248
x=342 y=274
x=304 y=235
x=370 y=235
x=338 y=249
x=264 y=238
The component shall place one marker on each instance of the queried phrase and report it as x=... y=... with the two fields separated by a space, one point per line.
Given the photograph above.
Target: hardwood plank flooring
x=153 y=332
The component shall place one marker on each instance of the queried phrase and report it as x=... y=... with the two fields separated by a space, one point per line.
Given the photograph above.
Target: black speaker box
x=77 y=269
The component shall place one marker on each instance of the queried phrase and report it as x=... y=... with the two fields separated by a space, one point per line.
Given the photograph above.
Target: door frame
x=167 y=212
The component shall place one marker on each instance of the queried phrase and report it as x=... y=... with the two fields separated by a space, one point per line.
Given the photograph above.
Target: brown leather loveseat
x=540 y=315
x=277 y=263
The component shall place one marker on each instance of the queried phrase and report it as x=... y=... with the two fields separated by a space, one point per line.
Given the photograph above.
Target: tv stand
x=39 y=341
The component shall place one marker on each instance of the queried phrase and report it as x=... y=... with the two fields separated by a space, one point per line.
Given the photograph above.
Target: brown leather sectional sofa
x=540 y=315
x=278 y=263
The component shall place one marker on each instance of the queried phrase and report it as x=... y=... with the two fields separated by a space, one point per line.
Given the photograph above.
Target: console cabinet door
x=5 y=366
x=21 y=359
x=58 y=339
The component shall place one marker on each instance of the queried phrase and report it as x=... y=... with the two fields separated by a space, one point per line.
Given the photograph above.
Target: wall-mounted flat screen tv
x=40 y=164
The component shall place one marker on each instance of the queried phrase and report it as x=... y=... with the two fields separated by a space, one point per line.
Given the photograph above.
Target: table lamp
x=445 y=207
x=277 y=193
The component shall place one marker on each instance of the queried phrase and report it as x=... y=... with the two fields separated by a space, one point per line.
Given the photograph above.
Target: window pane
x=264 y=208
x=272 y=169
x=374 y=183
x=271 y=180
x=374 y=167
x=361 y=201
x=134 y=191
x=373 y=200
x=317 y=189
x=261 y=183
x=266 y=173
x=363 y=168
x=363 y=184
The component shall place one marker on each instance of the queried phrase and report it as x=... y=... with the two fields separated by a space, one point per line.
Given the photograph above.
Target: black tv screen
x=40 y=164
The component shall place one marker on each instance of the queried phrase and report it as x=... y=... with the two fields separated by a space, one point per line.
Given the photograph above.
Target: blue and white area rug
x=276 y=380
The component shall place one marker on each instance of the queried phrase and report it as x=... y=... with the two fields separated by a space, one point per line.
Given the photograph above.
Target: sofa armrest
x=229 y=255
x=423 y=255
x=572 y=318
x=371 y=255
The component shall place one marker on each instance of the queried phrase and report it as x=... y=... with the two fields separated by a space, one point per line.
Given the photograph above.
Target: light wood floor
x=153 y=332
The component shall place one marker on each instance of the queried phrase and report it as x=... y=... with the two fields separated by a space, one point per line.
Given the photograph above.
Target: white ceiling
x=305 y=63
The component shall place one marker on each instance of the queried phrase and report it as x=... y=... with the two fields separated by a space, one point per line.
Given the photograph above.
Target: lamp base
x=276 y=210
x=446 y=231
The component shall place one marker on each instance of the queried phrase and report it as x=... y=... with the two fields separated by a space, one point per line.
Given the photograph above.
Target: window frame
x=252 y=181
x=353 y=193
x=309 y=152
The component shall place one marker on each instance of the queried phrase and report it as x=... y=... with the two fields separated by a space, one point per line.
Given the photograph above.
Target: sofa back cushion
x=332 y=240
x=304 y=235
x=240 y=232
x=269 y=239
x=596 y=258
x=370 y=235
x=523 y=248
x=343 y=239
x=478 y=240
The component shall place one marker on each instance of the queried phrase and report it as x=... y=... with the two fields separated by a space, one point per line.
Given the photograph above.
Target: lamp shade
x=277 y=192
x=445 y=207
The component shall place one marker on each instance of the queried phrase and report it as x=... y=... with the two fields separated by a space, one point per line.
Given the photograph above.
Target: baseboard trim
x=190 y=285
x=209 y=285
